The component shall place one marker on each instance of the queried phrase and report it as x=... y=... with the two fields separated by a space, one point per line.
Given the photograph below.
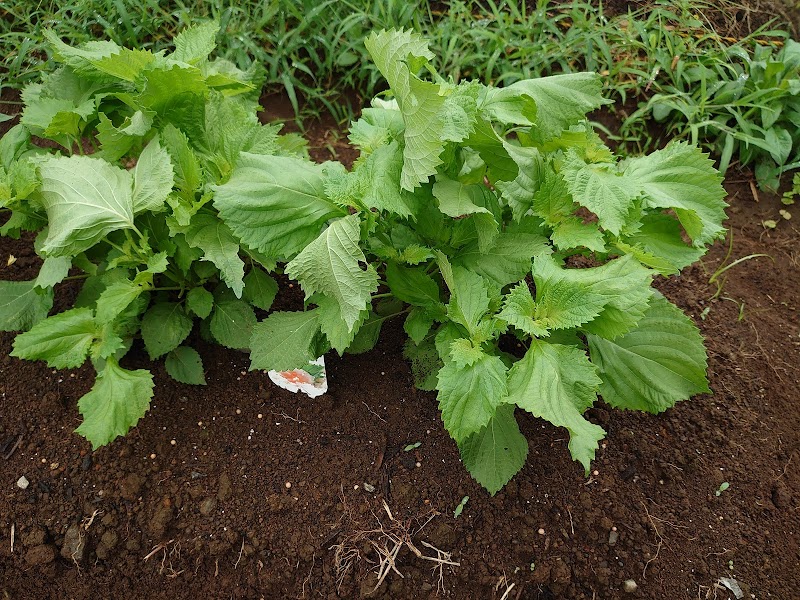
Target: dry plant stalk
x=388 y=540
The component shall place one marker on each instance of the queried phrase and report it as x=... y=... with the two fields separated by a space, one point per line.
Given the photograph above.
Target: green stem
x=385 y=295
x=167 y=289
x=75 y=277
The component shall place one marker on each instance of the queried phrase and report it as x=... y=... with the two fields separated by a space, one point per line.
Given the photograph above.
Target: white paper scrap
x=312 y=382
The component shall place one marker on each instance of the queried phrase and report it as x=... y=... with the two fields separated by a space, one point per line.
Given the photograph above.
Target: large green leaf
x=195 y=43
x=561 y=100
x=468 y=396
x=332 y=265
x=275 y=204
x=85 y=199
x=219 y=246
x=558 y=383
x=164 y=326
x=457 y=199
x=656 y=364
x=62 y=340
x=497 y=452
x=602 y=190
x=260 y=289
x=22 y=305
x=153 y=178
x=398 y=55
x=683 y=178
x=116 y=402
x=413 y=285
x=284 y=341
x=507 y=261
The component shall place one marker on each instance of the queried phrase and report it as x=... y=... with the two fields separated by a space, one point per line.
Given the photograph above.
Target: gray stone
x=207 y=506
x=74 y=547
x=630 y=586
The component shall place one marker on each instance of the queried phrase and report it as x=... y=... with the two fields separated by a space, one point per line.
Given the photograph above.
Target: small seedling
x=459 y=509
x=411 y=447
x=722 y=487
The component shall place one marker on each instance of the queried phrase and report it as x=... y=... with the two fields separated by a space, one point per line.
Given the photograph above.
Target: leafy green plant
x=121 y=199
x=518 y=248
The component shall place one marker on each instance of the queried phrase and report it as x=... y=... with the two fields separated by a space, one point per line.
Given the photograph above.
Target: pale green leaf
x=602 y=190
x=561 y=100
x=164 y=326
x=518 y=310
x=507 y=261
x=457 y=199
x=683 y=178
x=331 y=265
x=219 y=246
x=519 y=193
x=53 y=271
x=275 y=204
x=468 y=397
x=469 y=299
x=656 y=364
x=284 y=341
x=153 y=178
x=509 y=106
x=185 y=365
x=22 y=305
x=574 y=233
x=117 y=297
x=62 y=340
x=85 y=199
x=497 y=452
x=417 y=324
x=558 y=383
x=398 y=54
x=194 y=44
x=116 y=402
x=464 y=353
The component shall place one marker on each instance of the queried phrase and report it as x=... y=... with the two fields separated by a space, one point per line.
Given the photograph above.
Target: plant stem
x=75 y=277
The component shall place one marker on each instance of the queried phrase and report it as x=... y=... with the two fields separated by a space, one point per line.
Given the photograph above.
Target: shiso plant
x=120 y=197
x=517 y=247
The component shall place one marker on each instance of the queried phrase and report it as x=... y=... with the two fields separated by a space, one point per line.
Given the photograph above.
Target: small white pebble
x=613 y=529
x=383 y=372
x=260 y=416
x=199 y=423
x=541 y=531
x=419 y=464
x=238 y=411
x=44 y=461
x=595 y=473
x=288 y=484
x=23 y=483
x=355 y=487
x=173 y=442
x=152 y=456
x=629 y=586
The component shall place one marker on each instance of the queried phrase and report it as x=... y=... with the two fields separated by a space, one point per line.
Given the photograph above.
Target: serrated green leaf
x=518 y=310
x=85 y=199
x=200 y=301
x=561 y=100
x=165 y=88
x=194 y=44
x=22 y=305
x=125 y=64
x=464 y=353
x=116 y=298
x=153 y=178
x=552 y=201
x=574 y=233
x=413 y=285
x=367 y=336
x=339 y=334
x=417 y=324
x=331 y=265
x=457 y=199
x=469 y=298
x=683 y=178
x=53 y=271
x=558 y=383
x=497 y=452
x=624 y=283
x=116 y=402
x=468 y=397
x=656 y=364
x=187 y=170
x=276 y=205
x=520 y=193
x=425 y=363
x=219 y=246
x=108 y=343
x=382 y=173
x=62 y=340
x=602 y=190
x=507 y=261
x=164 y=326
x=398 y=54
x=185 y=366
x=232 y=323
x=509 y=106
x=284 y=341
x=260 y=289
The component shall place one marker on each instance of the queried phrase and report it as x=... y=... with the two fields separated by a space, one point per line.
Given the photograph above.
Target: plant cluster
x=517 y=247
x=133 y=220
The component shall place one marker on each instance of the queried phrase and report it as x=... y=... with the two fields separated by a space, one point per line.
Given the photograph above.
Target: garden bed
x=243 y=490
